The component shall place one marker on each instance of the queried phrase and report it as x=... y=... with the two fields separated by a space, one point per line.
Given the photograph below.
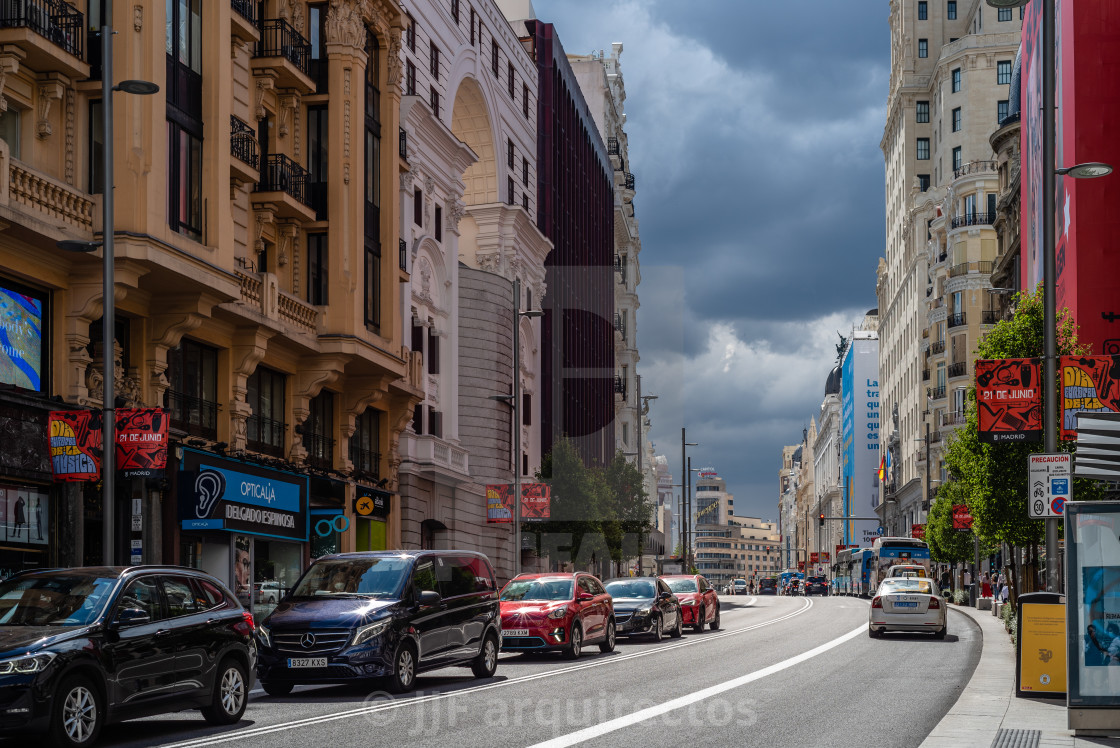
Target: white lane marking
x=595 y=731
x=398 y=704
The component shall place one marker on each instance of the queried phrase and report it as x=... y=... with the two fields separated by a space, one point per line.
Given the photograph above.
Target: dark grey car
x=645 y=605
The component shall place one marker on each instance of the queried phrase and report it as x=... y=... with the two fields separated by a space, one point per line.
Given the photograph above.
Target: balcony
x=192 y=415
x=54 y=199
x=612 y=146
x=973 y=219
x=320 y=450
x=243 y=148
x=975 y=167
x=277 y=304
x=265 y=435
x=925 y=375
x=402 y=252
x=620 y=386
x=433 y=457
x=40 y=28
x=955 y=418
x=937 y=346
x=285 y=184
x=937 y=393
x=243 y=20
x=403 y=144
x=959 y=369
x=284 y=52
x=619 y=327
x=964 y=268
x=620 y=268
x=956 y=320
x=628 y=180
x=367 y=463
x=989 y=317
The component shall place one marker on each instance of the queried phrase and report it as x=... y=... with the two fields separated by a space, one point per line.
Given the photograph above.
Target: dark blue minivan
x=385 y=614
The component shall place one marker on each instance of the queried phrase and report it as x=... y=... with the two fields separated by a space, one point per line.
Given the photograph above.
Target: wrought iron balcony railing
x=403 y=254
x=265 y=435
x=989 y=317
x=280 y=39
x=320 y=450
x=247 y=9
x=404 y=144
x=367 y=463
x=937 y=392
x=56 y=21
x=282 y=174
x=973 y=219
x=974 y=167
x=628 y=180
x=958 y=369
x=612 y=146
x=937 y=346
x=956 y=320
x=243 y=142
x=191 y=414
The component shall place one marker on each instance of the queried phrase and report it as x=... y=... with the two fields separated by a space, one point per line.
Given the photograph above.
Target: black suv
x=86 y=646
x=813 y=585
x=385 y=614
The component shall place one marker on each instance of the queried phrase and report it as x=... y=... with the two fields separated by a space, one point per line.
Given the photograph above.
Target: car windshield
x=632 y=588
x=538 y=589
x=678 y=585
x=54 y=599
x=769 y=583
x=919 y=586
x=816 y=580
x=362 y=577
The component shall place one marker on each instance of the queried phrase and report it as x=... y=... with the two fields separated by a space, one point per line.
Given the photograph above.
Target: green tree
x=628 y=514
x=992 y=478
x=579 y=495
x=946 y=545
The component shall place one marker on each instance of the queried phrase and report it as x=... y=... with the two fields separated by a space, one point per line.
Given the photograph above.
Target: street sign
x=882 y=530
x=1050 y=484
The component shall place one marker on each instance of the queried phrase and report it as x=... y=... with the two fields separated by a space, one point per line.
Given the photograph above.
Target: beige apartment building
x=257 y=275
x=951 y=69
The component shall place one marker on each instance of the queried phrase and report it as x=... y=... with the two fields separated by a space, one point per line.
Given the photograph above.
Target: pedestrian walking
x=985 y=586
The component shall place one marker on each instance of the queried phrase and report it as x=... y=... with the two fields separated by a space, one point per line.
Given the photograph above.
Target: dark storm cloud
x=754 y=134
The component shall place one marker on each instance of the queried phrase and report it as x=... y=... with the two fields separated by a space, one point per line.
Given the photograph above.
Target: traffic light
x=820 y=522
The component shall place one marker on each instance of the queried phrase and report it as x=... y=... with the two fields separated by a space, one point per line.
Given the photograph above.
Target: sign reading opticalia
x=220 y=494
x=1048 y=484
x=859 y=436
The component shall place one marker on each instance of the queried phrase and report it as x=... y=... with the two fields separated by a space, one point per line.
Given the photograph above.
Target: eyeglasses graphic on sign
x=208 y=488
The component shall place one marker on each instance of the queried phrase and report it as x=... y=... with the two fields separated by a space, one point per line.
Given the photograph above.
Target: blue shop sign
x=217 y=493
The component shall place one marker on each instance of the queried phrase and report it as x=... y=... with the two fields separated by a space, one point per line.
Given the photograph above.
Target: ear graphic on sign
x=208 y=488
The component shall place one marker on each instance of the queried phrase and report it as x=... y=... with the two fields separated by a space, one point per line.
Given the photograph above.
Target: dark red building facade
x=575 y=199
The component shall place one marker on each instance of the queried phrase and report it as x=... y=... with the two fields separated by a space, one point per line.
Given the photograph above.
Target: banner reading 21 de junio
x=1008 y=400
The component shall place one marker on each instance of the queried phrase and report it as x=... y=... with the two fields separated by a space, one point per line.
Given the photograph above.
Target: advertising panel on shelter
x=141 y=442
x=75 y=444
x=1086 y=222
x=21 y=337
x=1093 y=603
x=1090 y=384
x=227 y=495
x=859 y=436
x=1008 y=400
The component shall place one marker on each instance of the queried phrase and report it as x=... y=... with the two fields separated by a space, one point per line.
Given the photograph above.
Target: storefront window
x=370 y=535
x=24 y=528
x=327 y=527
x=276 y=567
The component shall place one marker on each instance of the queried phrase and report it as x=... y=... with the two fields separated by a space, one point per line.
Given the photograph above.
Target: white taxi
x=907 y=604
x=907 y=570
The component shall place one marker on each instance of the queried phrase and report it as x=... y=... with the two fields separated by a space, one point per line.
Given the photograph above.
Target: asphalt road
x=781 y=672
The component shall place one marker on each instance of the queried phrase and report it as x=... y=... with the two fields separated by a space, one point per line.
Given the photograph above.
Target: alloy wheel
x=490 y=654
x=233 y=690
x=406 y=667
x=79 y=714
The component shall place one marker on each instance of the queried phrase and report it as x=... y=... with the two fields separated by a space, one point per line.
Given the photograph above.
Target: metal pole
x=1049 y=375
x=641 y=441
x=517 y=426
x=683 y=504
x=108 y=321
x=929 y=471
x=688 y=532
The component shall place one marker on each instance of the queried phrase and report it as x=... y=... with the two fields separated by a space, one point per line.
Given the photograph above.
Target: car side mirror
x=131 y=617
x=665 y=596
x=585 y=597
x=430 y=599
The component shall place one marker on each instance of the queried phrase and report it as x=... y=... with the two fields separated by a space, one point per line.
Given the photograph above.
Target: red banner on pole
x=75 y=444
x=1090 y=384
x=962 y=518
x=814 y=558
x=1008 y=400
x=141 y=442
x=918 y=531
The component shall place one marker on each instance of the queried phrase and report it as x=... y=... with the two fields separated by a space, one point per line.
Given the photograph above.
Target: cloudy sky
x=754 y=134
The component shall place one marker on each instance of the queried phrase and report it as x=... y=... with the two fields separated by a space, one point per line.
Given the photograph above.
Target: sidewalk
x=988 y=710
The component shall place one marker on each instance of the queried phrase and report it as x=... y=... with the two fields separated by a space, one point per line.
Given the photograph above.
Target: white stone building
x=826 y=467
x=468 y=121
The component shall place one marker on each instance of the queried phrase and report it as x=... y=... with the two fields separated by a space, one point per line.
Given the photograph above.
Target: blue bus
x=861 y=566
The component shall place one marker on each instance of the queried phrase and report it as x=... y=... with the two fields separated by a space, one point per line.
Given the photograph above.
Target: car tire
x=231 y=694
x=403 y=678
x=714 y=625
x=873 y=633
x=607 y=645
x=485 y=664
x=699 y=625
x=575 y=643
x=941 y=634
x=273 y=688
x=658 y=630
x=78 y=702
x=678 y=632
x=271 y=600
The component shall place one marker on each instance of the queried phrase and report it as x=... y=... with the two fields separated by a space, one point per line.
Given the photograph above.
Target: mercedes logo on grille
x=307 y=641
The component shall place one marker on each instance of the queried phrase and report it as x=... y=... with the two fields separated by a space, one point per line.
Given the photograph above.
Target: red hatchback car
x=699 y=601
x=556 y=612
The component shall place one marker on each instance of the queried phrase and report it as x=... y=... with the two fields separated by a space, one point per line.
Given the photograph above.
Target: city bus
x=888 y=552
x=860 y=576
x=842 y=573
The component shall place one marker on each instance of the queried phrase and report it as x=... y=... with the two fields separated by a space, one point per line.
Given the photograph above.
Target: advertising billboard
x=1086 y=223
x=536 y=502
x=1090 y=384
x=859 y=436
x=1009 y=400
x=75 y=444
x=21 y=337
x=141 y=442
x=962 y=518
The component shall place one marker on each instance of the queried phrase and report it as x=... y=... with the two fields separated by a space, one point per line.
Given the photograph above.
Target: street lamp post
x=686 y=479
x=108 y=315
x=517 y=420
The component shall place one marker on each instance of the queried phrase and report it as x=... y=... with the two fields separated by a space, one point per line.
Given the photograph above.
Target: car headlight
x=559 y=612
x=26 y=665
x=688 y=602
x=265 y=635
x=643 y=612
x=365 y=633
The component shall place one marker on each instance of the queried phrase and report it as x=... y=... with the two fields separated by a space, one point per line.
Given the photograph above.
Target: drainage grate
x=1017 y=739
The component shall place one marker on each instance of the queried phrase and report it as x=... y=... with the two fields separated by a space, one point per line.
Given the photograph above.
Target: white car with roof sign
x=907 y=604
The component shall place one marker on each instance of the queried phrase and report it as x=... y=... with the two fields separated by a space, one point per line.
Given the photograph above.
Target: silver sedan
x=907 y=604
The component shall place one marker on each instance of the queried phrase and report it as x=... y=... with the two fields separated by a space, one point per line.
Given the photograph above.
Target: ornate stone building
x=257 y=279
